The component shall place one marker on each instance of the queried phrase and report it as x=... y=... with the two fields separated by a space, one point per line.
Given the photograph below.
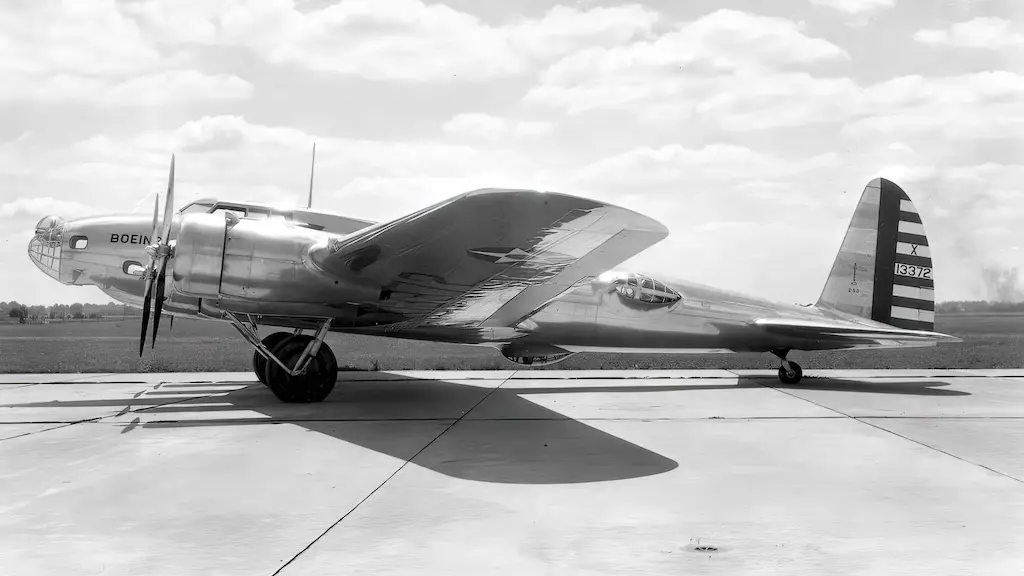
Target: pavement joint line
x=862 y=420
x=98 y=418
x=392 y=475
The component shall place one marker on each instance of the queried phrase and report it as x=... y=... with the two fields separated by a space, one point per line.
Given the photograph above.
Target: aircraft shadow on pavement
x=505 y=438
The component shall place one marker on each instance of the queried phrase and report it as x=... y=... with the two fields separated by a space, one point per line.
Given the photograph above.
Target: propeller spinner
x=159 y=253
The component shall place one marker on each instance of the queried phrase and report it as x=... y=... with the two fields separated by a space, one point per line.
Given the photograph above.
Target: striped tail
x=884 y=268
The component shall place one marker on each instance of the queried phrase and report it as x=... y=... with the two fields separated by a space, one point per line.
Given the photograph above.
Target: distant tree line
x=966 y=306
x=76 y=311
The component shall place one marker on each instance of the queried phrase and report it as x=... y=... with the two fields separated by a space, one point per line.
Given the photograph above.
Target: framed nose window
x=78 y=243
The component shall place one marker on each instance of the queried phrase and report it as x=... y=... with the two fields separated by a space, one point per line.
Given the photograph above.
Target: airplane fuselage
x=596 y=315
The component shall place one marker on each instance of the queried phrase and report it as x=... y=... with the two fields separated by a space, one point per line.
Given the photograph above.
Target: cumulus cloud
x=403 y=40
x=158 y=89
x=677 y=165
x=486 y=127
x=982 y=32
x=722 y=61
x=39 y=206
x=855 y=6
x=89 y=51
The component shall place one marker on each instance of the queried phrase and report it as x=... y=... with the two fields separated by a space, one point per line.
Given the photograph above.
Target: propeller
x=159 y=253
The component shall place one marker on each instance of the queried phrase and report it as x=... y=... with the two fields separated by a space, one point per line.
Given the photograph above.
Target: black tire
x=313 y=386
x=259 y=363
x=786 y=378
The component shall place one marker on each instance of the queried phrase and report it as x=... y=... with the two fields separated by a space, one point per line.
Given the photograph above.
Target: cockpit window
x=196 y=208
x=78 y=242
x=644 y=289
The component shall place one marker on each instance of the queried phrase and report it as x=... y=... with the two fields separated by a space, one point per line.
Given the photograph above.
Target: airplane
x=530 y=273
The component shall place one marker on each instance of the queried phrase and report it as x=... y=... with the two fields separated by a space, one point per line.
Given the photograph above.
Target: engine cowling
x=220 y=255
x=199 y=255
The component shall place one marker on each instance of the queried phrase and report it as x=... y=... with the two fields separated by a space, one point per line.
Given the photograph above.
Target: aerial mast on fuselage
x=309 y=203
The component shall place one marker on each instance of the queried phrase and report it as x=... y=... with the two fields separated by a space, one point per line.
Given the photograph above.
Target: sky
x=748 y=128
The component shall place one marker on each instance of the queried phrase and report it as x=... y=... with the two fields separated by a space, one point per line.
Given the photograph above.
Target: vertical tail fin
x=884 y=267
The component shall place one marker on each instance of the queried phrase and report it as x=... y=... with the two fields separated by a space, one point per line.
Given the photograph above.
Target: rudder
x=884 y=268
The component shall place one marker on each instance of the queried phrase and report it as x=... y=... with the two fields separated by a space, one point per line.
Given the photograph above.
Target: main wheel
x=312 y=386
x=791 y=376
x=259 y=363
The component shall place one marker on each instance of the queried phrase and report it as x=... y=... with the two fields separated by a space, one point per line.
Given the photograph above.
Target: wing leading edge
x=489 y=257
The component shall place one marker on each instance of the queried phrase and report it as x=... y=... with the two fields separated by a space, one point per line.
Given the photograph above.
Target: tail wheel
x=312 y=386
x=259 y=363
x=792 y=375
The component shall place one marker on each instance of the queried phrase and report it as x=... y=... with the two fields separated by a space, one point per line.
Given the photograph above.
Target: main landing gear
x=789 y=372
x=296 y=367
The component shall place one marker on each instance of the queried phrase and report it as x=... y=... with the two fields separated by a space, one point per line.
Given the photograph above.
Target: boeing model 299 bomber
x=529 y=273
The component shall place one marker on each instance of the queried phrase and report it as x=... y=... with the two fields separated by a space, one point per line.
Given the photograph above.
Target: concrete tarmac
x=515 y=472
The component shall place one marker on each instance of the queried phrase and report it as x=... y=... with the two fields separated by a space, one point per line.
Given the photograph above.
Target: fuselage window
x=78 y=242
x=133 y=268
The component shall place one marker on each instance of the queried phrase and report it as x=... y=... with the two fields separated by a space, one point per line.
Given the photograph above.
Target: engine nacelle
x=534 y=354
x=199 y=255
x=220 y=255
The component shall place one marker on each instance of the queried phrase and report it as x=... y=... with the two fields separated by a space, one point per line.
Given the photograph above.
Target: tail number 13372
x=913 y=271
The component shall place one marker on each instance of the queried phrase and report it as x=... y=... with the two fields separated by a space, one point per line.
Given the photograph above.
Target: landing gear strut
x=789 y=372
x=259 y=361
x=296 y=367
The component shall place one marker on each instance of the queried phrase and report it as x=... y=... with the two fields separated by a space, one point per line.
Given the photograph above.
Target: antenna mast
x=309 y=203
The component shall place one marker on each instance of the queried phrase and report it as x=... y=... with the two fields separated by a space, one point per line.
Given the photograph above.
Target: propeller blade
x=171 y=327
x=156 y=212
x=169 y=207
x=145 y=311
x=161 y=282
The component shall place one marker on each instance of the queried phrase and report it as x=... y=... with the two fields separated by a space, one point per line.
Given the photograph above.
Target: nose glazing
x=45 y=246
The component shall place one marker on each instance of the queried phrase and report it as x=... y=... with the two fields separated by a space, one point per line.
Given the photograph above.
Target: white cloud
x=678 y=167
x=86 y=37
x=406 y=40
x=725 y=61
x=965 y=107
x=900 y=147
x=980 y=32
x=855 y=6
x=486 y=127
x=157 y=89
x=228 y=156
x=39 y=206
x=89 y=51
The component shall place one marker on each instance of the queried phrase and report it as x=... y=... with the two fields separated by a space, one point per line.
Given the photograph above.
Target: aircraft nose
x=45 y=246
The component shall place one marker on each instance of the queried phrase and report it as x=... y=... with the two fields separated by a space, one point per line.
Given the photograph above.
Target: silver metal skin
x=529 y=273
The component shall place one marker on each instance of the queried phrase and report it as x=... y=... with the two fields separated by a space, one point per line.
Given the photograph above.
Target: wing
x=486 y=258
x=830 y=334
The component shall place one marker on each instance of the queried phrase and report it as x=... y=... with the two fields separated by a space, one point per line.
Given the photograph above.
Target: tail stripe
x=900 y=291
x=907 y=206
x=918 y=239
x=911 y=227
x=912 y=314
x=909 y=216
x=909 y=281
x=914 y=260
x=914 y=303
x=885 y=250
x=912 y=324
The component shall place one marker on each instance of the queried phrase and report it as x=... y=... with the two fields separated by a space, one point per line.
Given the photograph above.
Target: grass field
x=990 y=341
